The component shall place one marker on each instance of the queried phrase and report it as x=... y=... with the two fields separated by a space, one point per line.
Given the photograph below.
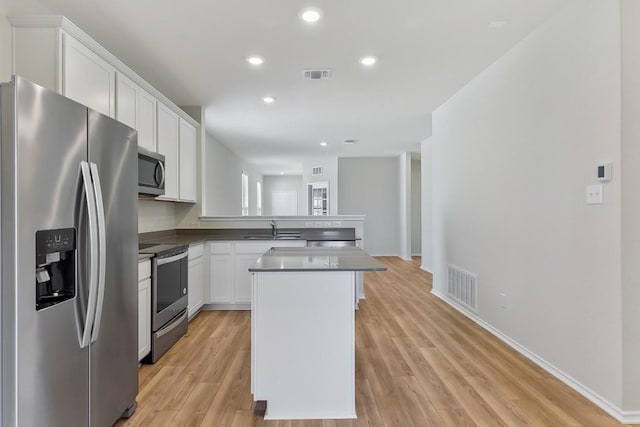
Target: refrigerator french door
x=69 y=261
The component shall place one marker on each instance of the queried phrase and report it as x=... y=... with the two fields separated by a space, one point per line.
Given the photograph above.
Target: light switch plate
x=594 y=194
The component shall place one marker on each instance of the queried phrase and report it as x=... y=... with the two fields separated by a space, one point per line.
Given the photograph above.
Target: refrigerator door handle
x=102 y=243
x=93 y=259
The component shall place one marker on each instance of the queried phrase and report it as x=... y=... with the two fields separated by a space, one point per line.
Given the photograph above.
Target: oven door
x=151 y=173
x=169 y=283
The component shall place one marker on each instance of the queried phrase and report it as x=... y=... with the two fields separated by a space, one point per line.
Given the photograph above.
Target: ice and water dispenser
x=55 y=266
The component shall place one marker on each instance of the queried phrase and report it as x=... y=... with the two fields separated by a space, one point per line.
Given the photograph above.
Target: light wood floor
x=418 y=363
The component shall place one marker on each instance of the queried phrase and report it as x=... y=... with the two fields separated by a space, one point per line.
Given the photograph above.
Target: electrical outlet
x=594 y=194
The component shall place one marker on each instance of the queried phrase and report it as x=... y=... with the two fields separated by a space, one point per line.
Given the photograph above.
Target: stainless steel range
x=169 y=296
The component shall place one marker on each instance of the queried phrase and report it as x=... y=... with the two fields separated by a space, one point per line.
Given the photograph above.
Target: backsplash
x=155 y=216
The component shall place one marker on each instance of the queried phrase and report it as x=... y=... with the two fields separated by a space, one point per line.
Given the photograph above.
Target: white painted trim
x=231 y=218
x=624 y=417
x=226 y=306
x=423 y=268
x=395 y=255
x=59 y=21
x=417 y=254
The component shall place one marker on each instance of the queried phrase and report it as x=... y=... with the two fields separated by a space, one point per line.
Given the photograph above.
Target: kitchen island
x=303 y=331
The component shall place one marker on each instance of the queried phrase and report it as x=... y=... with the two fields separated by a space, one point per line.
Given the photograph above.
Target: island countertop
x=316 y=259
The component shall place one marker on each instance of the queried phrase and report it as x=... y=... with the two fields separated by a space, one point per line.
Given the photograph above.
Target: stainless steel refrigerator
x=69 y=233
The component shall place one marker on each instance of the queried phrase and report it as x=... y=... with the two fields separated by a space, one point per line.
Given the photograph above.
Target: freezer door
x=45 y=372
x=114 y=354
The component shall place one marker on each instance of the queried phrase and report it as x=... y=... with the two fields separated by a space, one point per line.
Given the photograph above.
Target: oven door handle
x=172 y=326
x=163 y=261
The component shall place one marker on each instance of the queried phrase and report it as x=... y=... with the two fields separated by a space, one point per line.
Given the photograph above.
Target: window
x=258 y=198
x=319 y=198
x=245 y=194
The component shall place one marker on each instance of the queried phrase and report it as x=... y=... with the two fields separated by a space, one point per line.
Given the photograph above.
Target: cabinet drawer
x=195 y=251
x=144 y=269
x=220 y=247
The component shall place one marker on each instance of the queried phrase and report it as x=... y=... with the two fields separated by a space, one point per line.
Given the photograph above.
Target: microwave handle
x=162 y=173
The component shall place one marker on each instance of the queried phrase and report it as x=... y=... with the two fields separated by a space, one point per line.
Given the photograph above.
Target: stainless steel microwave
x=151 y=173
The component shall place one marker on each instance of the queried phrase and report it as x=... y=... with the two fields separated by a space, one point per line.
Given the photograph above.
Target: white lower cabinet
x=229 y=276
x=144 y=308
x=242 y=277
x=196 y=279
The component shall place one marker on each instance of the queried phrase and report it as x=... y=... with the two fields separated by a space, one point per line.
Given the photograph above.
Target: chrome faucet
x=274 y=228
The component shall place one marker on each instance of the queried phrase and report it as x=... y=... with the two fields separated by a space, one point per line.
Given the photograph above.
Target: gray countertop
x=194 y=236
x=143 y=257
x=316 y=259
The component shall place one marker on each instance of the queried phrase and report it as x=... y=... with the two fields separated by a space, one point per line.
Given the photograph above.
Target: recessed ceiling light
x=310 y=14
x=368 y=60
x=268 y=99
x=324 y=143
x=255 y=60
x=497 y=24
x=281 y=173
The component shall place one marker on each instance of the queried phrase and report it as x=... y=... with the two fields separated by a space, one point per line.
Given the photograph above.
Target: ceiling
x=194 y=52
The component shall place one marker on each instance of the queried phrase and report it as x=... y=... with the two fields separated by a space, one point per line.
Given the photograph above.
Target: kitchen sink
x=283 y=236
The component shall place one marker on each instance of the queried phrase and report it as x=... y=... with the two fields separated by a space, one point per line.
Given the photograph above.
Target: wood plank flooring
x=418 y=363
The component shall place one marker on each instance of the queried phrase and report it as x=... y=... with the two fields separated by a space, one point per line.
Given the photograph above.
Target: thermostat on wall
x=604 y=171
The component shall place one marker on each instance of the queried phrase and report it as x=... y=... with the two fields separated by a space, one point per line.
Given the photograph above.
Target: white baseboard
x=396 y=255
x=424 y=269
x=417 y=254
x=224 y=306
x=624 y=417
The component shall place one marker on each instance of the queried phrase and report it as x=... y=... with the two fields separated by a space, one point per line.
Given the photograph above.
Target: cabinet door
x=168 y=145
x=87 y=78
x=242 y=277
x=144 y=318
x=221 y=278
x=196 y=285
x=187 y=162
x=126 y=101
x=146 y=120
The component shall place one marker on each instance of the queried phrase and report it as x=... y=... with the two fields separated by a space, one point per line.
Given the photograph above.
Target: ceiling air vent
x=350 y=141
x=316 y=171
x=316 y=74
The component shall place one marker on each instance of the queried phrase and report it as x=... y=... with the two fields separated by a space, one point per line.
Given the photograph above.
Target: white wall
x=416 y=216
x=329 y=174
x=369 y=186
x=513 y=153
x=223 y=183
x=426 y=176
x=283 y=183
x=631 y=202
x=5 y=48
x=404 y=200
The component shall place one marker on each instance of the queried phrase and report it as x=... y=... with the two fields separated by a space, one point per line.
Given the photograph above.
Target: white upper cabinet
x=147 y=113
x=168 y=125
x=187 y=182
x=127 y=101
x=87 y=78
x=53 y=52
